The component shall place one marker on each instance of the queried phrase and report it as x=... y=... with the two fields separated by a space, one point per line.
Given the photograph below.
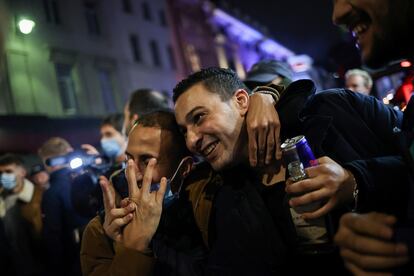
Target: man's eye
x=198 y=118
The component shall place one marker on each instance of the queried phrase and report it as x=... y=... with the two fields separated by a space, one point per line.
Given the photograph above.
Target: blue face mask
x=8 y=180
x=169 y=196
x=111 y=148
x=177 y=180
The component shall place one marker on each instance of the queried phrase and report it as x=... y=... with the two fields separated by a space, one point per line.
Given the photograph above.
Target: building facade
x=84 y=57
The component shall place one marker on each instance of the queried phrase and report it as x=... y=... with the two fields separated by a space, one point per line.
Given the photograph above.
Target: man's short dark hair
x=10 y=158
x=224 y=82
x=114 y=120
x=144 y=101
x=165 y=120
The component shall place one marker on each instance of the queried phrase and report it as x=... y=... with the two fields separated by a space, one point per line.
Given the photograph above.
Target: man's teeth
x=209 y=149
x=359 y=29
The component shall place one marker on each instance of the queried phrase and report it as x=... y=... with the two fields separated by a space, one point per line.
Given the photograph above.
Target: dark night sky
x=303 y=26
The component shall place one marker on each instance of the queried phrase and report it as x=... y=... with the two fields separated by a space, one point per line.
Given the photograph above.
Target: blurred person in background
x=140 y=102
x=86 y=194
x=40 y=177
x=358 y=80
x=113 y=142
x=62 y=227
x=268 y=72
x=20 y=214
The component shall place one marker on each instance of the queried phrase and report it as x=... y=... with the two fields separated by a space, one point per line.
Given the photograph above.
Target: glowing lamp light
x=76 y=163
x=26 y=26
x=405 y=64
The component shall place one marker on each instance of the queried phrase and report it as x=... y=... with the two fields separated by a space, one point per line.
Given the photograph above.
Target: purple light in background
x=274 y=49
x=244 y=33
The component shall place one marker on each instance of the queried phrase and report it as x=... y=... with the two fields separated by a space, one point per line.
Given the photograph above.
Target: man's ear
x=23 y=172
x=242 y=100
x=134 y=118
x=187 y=166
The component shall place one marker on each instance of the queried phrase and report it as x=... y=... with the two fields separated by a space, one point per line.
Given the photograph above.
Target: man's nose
x=193 y=140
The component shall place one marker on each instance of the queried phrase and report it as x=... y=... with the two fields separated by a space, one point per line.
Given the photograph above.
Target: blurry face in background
x=18 y=171
x=108 y=131
x=356 y=83
x=382 y=28
x=113 y=142
x=145 y=143
x=41 y=179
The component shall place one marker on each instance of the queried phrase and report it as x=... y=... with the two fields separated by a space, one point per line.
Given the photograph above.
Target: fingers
x=372 y=261
x=277 y=139
x=161 y=191
x=89 y=149
x=302 y=186
x=365 y=243
x=124 y=203
x=325 y=160
x=115 y=226
x=270 y=146
x=261 y=147
x=309 y=197
x=326 y=208
x=373 y=224
x=359 y=272
x=121 y=212
x=147 y=180
x=108 y=196
x=132 y=179
x=252 y=135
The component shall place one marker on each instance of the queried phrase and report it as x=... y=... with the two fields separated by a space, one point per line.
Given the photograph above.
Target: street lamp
x=26 y=25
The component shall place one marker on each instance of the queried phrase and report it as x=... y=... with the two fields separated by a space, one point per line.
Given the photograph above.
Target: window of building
x=66 y=86
x=91 y=15
x=127 y=6
x=155 y=53
x=136 y=51
x=51 y=10
x=105 y=80
x=146 y=13
x=163 y=20
x=171 y=57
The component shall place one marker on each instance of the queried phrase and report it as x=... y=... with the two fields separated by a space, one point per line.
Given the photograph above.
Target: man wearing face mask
x=20 y=214
x=178 y=243
x=113 y=142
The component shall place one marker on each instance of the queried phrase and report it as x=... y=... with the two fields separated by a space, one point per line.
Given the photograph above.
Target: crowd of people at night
x=257 y=176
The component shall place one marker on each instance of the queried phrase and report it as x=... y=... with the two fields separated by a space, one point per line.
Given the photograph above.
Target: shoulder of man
x=201 y=187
